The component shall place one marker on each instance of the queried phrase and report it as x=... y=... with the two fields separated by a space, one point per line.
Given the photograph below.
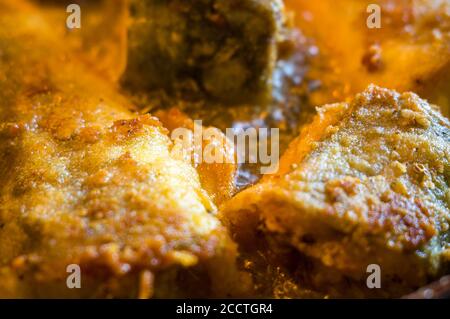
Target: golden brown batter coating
x=85 y=181
x=410 y=52
x=217 y=178
x=364 y=183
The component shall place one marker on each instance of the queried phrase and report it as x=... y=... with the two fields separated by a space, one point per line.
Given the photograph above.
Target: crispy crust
x=85 y=181
x=224 y=50
x=218 y=179
x=366 y=182
x=410 y=52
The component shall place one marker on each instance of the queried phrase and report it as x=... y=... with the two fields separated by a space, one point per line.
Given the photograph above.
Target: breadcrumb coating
x=366 y=182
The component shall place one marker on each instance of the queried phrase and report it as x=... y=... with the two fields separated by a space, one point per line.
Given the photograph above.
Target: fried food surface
x=85 y=181
x=101 y=39
x=216 y=177
x=225 y=50
x=411 y=50
x=365 y=183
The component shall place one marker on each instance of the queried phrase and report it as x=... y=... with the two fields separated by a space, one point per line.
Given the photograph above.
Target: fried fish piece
x=366 y=182
x=85 y=182
x=410 y=52
x=226 y=49
x=217 y=177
